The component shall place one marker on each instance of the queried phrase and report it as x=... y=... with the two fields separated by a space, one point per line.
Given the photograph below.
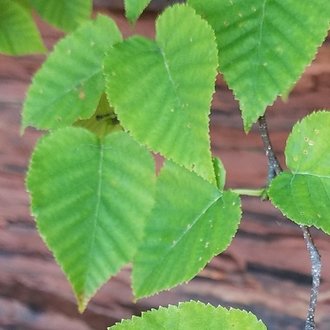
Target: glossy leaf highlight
x=264 y=46
x=90 y=202
x=192 y=316
x=191 y=222
x=70 y=83
x=161 y=91
x=18 y=32
x=303 y=194
x=64 y=14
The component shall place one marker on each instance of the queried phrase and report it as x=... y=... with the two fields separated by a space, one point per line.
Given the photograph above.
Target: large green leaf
x=70 y=83
x=161 y=91
x=90 y=198
x=134 y=8
x=192 y=316
x=303 y=194
x=191 y=222
x=64 y=14
x=18 y=32
x=264 y=45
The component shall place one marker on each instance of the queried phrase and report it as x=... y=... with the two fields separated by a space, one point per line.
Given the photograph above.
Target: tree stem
x=274 y=168
x=316 y=276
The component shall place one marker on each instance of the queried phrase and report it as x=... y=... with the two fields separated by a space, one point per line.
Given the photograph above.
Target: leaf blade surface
x=134 y=8
x=90 y=204
x=70 y=83
x=264 y=46
x=190 y=223
x=18 y=32
x=303 y=194
x=66 y=15
x=161 y=91
x=192 y=315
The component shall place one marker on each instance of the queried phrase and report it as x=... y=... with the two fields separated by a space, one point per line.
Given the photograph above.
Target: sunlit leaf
x=303 y=194
x=134 y=8
x=64 y=14
x=264 y=46
x=161 y=91
x=192 y=316
x=70 y=83
x=220 y=173
x=191 y=222
x=18 y=32
x=90 y=202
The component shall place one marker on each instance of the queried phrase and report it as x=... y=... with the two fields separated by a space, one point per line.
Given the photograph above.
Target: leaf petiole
x=250 y=192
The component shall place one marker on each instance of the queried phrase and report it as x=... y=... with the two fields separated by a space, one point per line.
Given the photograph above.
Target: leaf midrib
x=96 y=214
x=169 y=74
x=310 y=174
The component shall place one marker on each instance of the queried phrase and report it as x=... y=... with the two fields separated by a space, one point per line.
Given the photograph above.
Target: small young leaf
x=103 y=121
x=90 y=202
x=304 y=194
x=69 y=85
x=192 y=315
x=161 y=91
x=220 y=173
x=18 y=32
x=134 y=8
x=264 y=46
x=191 y=222
x=64 y=14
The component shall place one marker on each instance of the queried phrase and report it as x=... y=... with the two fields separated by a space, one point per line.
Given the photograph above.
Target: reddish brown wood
x=265 y=270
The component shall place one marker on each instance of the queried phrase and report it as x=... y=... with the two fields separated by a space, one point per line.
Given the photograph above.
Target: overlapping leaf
x=192 y=316
x=64 y=14
x=69 y=85
x=264 y=46
x=103 y=121
x=90 y=203
x=18 y=32
x=134 y=8
x=303 y=194
x=191 y=222
x=161 y=91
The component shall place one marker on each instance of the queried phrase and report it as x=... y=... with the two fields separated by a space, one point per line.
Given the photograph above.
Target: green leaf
x=191 y=222
x=69 y=85
x=103 y=121
x=64 y=14
x=24 y=3
x=90 y=202
x=18 y=32
x=220 y=173
x=264 y=46
x=303 y=194
x=192 y=316
x=134 y=8
x=161 y=91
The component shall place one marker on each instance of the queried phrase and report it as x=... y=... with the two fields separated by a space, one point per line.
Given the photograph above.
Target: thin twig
x=316 y=276
x=274 y=168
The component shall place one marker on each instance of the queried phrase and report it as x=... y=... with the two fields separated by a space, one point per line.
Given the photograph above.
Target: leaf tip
x=82 y=302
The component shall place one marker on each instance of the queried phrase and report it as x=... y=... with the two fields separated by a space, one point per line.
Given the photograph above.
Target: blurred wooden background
x=265 y=270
